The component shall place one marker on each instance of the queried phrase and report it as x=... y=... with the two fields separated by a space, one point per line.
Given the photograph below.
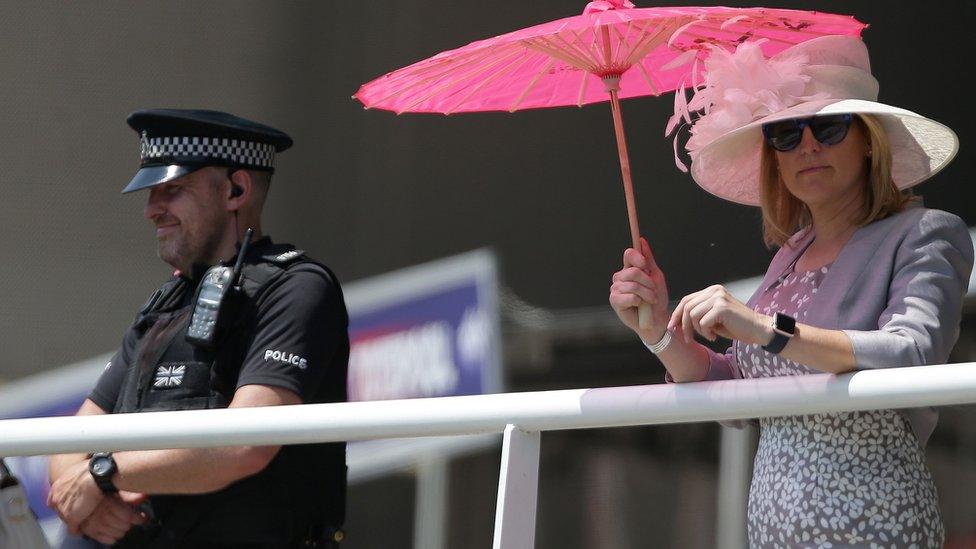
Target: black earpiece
x=235 y=189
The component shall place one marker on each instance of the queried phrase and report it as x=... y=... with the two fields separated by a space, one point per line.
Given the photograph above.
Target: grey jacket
x=896 y=290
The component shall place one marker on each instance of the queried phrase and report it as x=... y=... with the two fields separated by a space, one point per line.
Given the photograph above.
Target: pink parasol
x=611 y=51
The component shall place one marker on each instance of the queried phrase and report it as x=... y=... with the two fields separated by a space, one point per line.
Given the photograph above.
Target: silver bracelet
x=660 y=346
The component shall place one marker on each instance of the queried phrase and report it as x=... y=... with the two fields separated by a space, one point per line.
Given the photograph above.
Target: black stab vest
x=300 y=493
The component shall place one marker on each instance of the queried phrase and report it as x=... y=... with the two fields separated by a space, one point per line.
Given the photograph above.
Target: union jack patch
x=169 y=376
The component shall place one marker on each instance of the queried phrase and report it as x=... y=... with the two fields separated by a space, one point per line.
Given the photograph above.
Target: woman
x=864 y=278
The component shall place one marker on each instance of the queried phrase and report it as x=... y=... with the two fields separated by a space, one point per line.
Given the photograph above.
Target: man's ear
x=241 y=187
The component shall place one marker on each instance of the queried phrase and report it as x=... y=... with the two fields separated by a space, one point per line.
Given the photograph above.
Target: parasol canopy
x=562 y=63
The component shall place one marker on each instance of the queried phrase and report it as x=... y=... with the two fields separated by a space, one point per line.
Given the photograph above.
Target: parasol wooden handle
x=644 y=316
x=644 y=311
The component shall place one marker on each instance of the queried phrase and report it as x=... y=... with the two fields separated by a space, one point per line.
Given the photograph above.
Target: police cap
x=175 y=142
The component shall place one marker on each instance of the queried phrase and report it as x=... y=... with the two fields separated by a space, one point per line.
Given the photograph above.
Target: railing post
x=518 y=486
x=734 y=472
x=430 y=516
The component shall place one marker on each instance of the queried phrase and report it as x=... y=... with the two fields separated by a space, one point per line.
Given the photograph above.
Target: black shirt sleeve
x=300 y=333
x=109 y=385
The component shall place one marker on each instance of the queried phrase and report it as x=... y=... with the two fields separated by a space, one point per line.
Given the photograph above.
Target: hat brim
x=728 y=167
x=157 y=175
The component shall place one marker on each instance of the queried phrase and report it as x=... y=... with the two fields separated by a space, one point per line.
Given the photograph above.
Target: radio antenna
x=240 y=256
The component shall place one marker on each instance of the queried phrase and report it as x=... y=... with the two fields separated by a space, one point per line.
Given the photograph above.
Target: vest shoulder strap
x=257 y=277
x=163 y=297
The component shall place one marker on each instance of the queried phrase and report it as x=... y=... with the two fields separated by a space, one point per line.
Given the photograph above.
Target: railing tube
x=535 y=411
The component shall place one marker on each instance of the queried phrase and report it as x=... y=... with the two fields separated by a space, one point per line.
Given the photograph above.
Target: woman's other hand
x=714 y=312
x=640 y=282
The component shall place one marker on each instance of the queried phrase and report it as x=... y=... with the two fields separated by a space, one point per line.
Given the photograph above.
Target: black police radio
x=214 y=299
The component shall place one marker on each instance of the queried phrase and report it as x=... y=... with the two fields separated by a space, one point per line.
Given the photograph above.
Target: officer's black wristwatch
x=784 y=326
x=102 y=468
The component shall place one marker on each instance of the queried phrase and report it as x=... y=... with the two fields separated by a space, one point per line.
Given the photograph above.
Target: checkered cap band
x=235 y=151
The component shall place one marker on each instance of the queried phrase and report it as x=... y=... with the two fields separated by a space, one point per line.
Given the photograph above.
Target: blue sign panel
x=428 y=331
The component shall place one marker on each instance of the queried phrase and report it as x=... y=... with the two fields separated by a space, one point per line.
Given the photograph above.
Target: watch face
x=100 y=467
x=103 y=468
x=785 y=323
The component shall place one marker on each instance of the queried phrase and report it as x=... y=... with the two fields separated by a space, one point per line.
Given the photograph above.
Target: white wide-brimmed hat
x=827 y=75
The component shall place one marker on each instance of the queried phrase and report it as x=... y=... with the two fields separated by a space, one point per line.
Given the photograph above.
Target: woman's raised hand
x=714 y=312
x=640 y=282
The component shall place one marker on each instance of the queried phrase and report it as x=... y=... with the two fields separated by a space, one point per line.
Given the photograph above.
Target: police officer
x=276 y=336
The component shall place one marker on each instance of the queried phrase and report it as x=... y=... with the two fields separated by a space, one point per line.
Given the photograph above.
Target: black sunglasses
x=785 y=135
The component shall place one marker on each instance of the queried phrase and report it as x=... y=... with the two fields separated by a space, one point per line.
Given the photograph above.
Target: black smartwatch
x=784 y=326
x=102 y=468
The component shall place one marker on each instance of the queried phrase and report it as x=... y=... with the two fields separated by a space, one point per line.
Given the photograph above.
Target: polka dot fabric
x=855 y=479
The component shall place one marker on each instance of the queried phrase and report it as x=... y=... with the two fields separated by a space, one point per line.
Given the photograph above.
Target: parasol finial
x=605 y=5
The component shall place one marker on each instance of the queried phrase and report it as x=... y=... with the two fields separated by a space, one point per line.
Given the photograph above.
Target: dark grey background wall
x=368 y=191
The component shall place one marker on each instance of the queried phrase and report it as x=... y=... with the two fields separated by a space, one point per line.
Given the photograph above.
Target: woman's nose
x=809 y=143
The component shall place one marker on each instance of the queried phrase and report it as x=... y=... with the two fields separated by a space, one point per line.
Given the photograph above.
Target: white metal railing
x=520 y=416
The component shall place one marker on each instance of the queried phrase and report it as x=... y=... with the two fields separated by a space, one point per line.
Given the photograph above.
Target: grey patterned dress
x=855 y=479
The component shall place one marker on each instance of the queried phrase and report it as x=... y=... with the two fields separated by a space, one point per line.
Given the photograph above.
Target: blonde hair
x=784 y=214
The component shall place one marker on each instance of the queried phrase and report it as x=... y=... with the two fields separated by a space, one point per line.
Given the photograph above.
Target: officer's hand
x=113 y=517
x=74 y=495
